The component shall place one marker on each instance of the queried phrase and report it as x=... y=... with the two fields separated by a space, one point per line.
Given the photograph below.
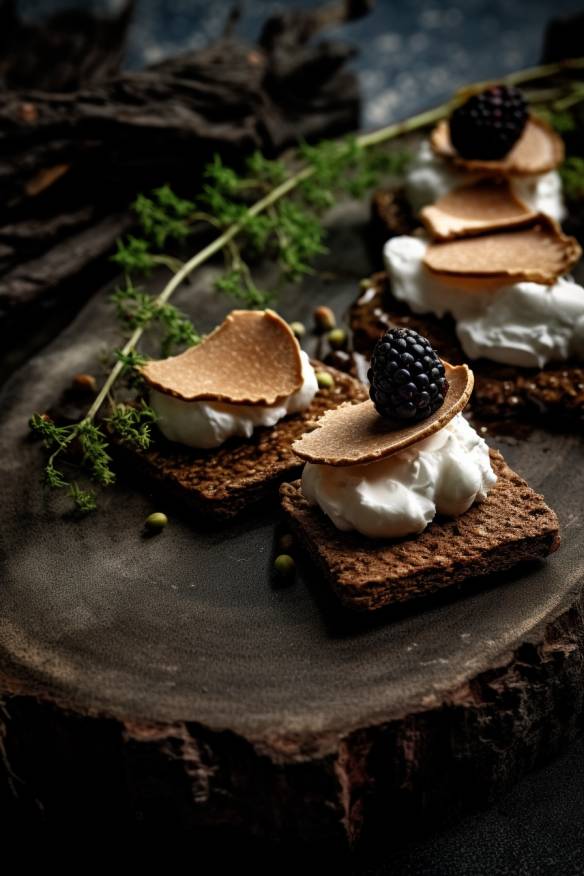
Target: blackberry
x=489 y=124
x=406 y=376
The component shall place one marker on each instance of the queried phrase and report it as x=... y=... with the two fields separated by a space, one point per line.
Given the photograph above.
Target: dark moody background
x=412 y=55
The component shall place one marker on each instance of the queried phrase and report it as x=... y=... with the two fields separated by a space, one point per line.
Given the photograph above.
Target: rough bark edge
x=380 y=783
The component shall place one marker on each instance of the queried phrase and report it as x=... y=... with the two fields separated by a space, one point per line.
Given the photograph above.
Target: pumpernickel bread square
x=220 y=483
x=511 y=526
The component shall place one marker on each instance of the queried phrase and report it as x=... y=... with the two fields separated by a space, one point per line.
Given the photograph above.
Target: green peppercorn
x=298 y=328
x=337 y=338
x=325 y=380
x=284 y=566
x=156 y=521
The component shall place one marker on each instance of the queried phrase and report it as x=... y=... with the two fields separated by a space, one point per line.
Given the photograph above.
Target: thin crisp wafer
x=251 y=358
x=487 y=205
x=538 y=150
x=538 y=253
x=355 y=434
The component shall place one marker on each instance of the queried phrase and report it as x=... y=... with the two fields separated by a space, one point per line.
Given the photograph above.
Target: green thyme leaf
x=572 y=173
x=95 y=455
x=134 y=307
x=131 y=360
x=134 y=254
x=179 y=330
x=264 y=170
x=302 y=238
x=133 y=424
x=53 y=436
x=53 y=477
x=163 y=215
x=221 y=178
x=84 y=500
x=238 y=284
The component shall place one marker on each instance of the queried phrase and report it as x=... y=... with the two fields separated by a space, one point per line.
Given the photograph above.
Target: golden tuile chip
x=538 y=150
x=487 y=205
x=538 y=253
x=252 y=358
x=356 y=434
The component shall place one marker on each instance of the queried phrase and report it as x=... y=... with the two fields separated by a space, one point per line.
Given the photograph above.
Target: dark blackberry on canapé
x=488 y=124
x=406 y=376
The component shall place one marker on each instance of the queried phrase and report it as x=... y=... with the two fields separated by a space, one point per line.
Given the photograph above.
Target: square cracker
x=220 y=483
x=512 y=525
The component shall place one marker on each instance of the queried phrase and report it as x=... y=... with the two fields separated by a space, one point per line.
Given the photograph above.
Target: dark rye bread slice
x=500 y=391
x=390 y=216
x=218 y=484
x=511 y=526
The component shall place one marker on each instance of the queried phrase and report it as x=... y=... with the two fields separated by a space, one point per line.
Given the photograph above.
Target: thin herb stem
x=531 y=74
x=414 y=123
x=570 y=100
x=546 y=95
x=113 y=375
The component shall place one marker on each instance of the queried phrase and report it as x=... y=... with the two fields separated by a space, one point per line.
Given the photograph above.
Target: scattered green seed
x=298 y=328
x=324 y=379
x=324 y=319
x=156 y=522
x=286 y=543
x=337 y=338
x=284 y=566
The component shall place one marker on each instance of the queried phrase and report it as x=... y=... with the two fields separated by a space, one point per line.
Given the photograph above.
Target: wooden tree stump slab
x=170 y=680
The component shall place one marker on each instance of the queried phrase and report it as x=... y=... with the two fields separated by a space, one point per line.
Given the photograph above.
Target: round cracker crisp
x=538 y=150
x=538 y=253
x=252 y=358
x=356 y=434
x=487 y=205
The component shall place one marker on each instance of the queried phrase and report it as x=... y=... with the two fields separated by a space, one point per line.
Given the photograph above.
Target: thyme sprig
x=291 y=231
x=273 y=207
x=133 y=425
x=136 y=308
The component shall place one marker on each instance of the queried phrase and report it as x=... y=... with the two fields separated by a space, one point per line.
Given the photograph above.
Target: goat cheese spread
x=400 y=495
x=525 y=324
x=206 y=424
x=429 y=177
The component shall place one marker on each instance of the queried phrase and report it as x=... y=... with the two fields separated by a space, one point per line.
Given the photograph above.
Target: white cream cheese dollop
x=206 y=424
x=398 y=496
x=429 y=177
x=525 y=324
